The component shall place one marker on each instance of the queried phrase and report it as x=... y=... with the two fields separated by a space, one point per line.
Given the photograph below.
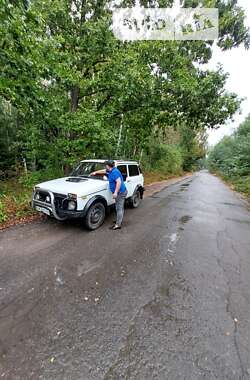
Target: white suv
x=85 y=193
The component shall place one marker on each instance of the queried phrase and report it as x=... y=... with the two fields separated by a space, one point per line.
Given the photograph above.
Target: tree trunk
x=119 y=137
x=125 y=144
x=141 y=154
x=134 y=152
x=33 y=164
x=25 y=166
x=74 y=93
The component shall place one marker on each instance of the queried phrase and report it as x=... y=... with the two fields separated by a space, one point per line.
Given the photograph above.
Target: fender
x=141 y=189
x=93 y=200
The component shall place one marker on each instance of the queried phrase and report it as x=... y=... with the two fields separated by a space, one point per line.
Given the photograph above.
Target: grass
x=240 y=184
x=15 y=196
x=14 y=201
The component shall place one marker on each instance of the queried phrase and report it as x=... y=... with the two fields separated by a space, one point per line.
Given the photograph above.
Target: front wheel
x=95 y=216
x=135 y=199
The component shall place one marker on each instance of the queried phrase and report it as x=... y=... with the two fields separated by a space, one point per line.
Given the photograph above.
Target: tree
x=79 y=92
x=232 y=155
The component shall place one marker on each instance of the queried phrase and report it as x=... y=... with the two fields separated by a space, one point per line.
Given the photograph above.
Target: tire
x=135 y=199
x=95 y=216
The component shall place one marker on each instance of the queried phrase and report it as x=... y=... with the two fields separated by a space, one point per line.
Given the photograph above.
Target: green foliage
x=193 y=146
x=231 y=157
x=243 y=184
x=163 y=157
x=3 y=215
x=69 y=90
x=28 y=180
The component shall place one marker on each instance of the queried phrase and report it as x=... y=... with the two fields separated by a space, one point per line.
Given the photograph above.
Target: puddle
x=58 y=276
x=184 y=186
x=231 y=204
x=238 y=221
x=173 y=238
x=185 y=218
x=87 y=266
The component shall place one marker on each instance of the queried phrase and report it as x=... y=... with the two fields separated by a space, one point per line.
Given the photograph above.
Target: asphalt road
x=167 y=297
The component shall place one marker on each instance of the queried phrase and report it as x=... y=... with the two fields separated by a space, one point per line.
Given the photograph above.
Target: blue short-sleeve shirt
x=113 y=175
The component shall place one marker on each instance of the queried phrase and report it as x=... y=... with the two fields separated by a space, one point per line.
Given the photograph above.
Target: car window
x=133 y=170
x=90 y=169
x=123 y=170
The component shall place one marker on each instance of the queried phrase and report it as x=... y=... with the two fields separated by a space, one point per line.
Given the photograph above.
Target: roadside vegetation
x=69 y=90
x=230 y=158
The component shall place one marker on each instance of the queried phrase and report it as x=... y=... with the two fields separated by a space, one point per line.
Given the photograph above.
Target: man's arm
x=106 y=176
x=117 y=187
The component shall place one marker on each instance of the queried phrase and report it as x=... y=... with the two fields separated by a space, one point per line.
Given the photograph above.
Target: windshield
x=90 y=169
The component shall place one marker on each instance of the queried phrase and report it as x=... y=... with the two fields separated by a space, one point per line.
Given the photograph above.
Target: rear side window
x=123 y=170
x=133 y=170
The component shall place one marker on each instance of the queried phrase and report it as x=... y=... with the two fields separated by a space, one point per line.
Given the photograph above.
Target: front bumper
x=50 y=209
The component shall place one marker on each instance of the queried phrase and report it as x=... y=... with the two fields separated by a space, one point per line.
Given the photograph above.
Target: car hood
x=74 y=185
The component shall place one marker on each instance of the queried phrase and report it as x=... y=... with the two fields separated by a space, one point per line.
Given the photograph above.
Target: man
x=119 y=191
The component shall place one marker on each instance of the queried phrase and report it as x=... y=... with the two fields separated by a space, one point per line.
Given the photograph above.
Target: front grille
x=59 y=201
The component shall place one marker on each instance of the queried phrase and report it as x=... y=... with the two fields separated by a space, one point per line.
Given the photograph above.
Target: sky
x=236 y=62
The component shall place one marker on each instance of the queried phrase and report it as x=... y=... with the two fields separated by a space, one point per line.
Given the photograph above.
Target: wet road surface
x=167 y=297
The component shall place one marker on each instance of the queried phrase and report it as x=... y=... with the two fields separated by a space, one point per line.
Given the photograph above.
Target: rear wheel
x=95 y=216
x=135 y=199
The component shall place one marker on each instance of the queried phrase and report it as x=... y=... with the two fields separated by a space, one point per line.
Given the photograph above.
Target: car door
x=134 y=178
x=124 y=171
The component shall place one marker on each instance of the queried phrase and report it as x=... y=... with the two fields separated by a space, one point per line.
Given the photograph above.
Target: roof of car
x=116 y=161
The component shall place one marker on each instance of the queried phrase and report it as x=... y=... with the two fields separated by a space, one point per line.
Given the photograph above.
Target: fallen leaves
x=23 y=220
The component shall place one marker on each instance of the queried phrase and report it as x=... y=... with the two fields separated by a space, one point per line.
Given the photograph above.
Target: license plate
x=42 y=209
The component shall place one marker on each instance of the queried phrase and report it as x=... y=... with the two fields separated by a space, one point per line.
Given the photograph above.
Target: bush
x=242 y=185
x=164 y=158
x=16 y=193
x=32 y=178
x=3 y=215
x=231 y=158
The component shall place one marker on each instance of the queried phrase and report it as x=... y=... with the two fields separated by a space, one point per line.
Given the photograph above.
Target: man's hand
x=115 y=195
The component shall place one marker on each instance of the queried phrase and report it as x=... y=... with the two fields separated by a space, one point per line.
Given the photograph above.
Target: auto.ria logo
x=139 y=23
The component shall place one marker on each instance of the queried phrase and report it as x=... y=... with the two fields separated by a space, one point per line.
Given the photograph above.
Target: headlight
x=37 y=196
x=71 y=205
x=72 y=196
x=47 y=199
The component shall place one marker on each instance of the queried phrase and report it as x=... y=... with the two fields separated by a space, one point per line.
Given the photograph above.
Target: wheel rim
x=96 y=215
x=136 y=199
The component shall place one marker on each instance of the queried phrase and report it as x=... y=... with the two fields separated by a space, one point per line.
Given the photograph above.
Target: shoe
x=115 y=227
